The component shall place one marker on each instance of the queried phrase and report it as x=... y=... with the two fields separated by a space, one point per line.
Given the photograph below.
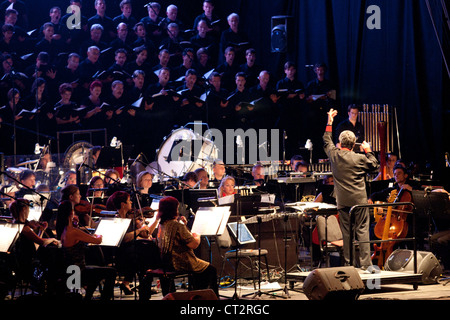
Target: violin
x=391 y=226
x=85 y=207
x=139 y=217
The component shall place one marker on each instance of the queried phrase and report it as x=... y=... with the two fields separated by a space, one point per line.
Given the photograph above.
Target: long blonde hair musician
x=226 y=187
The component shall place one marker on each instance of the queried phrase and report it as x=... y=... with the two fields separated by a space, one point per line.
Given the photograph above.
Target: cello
x=392 y=226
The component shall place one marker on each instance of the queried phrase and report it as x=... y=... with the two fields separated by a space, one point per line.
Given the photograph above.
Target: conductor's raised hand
x=331 y=114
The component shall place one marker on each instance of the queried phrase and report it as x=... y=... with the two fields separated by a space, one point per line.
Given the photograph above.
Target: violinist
x=74 y=242
x=126 y=254
x=72 y=194
x=25 y=248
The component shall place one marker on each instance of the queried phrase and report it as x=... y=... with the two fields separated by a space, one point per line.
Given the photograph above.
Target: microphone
x=139 y=156
x=197 y=184
x=447 y=163
x=309 y=66
x=309 y=145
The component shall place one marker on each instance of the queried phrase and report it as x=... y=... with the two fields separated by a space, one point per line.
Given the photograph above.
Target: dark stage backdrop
x=399 y=64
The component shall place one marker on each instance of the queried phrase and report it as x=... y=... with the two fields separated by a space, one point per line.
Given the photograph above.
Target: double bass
x=391 y=226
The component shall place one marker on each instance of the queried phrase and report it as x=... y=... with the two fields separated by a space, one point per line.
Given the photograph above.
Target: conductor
x=349 y=169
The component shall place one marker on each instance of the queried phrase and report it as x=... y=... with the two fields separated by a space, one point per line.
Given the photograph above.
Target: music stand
x=198 y=198
x=112 y=230
x=9 y=233
x=432 y=206
x=111 y=157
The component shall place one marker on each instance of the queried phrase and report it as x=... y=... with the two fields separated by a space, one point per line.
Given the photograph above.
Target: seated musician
x=112 y=176
x=71 y=193
x=190 y=180
x=258 y=174
x=126 y=254
x=326 y=191
x=402 y=181
x=202 y=178
x=112 y=180
x=25 y=251
x=294 y=159
x=27 y=181
x=144 y=182
x=74 y=246
x=218 y=171
x=95 y=193
x=226 y=187
x=177 y=246
x=391 y=162
x=301 y=166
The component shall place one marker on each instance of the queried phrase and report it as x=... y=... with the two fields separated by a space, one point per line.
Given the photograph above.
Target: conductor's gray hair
x=347 y=139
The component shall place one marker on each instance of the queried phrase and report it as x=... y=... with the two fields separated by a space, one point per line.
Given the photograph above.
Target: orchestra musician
x=126 y=254
x=349 y=170
x=27 y=181
x=72 y=194
x=402 y=181
x=177 y=246
x=25 y=249
x=190 y=180
x=96 y=193
x=74 y=244
x=218 y=171
x=144 y=182
x=352 y=124
x=202 y=178
x=258 y=174
x=226 y=187
x=391 y=162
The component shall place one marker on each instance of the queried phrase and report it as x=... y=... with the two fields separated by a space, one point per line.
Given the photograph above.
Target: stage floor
x=393 y=286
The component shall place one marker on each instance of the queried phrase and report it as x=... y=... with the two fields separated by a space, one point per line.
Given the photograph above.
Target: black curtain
x=399 y=64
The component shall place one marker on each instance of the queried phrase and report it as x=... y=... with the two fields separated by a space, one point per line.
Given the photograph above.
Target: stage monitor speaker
x=402 y=260
x=280 y=34
x=206 y=294
x=337 y=283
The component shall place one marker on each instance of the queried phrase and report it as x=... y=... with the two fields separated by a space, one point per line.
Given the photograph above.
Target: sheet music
x=8 y=233
x=268 y=198
x=112 y=230
x=226 y=200
x=304 y=206
x=211 y=221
